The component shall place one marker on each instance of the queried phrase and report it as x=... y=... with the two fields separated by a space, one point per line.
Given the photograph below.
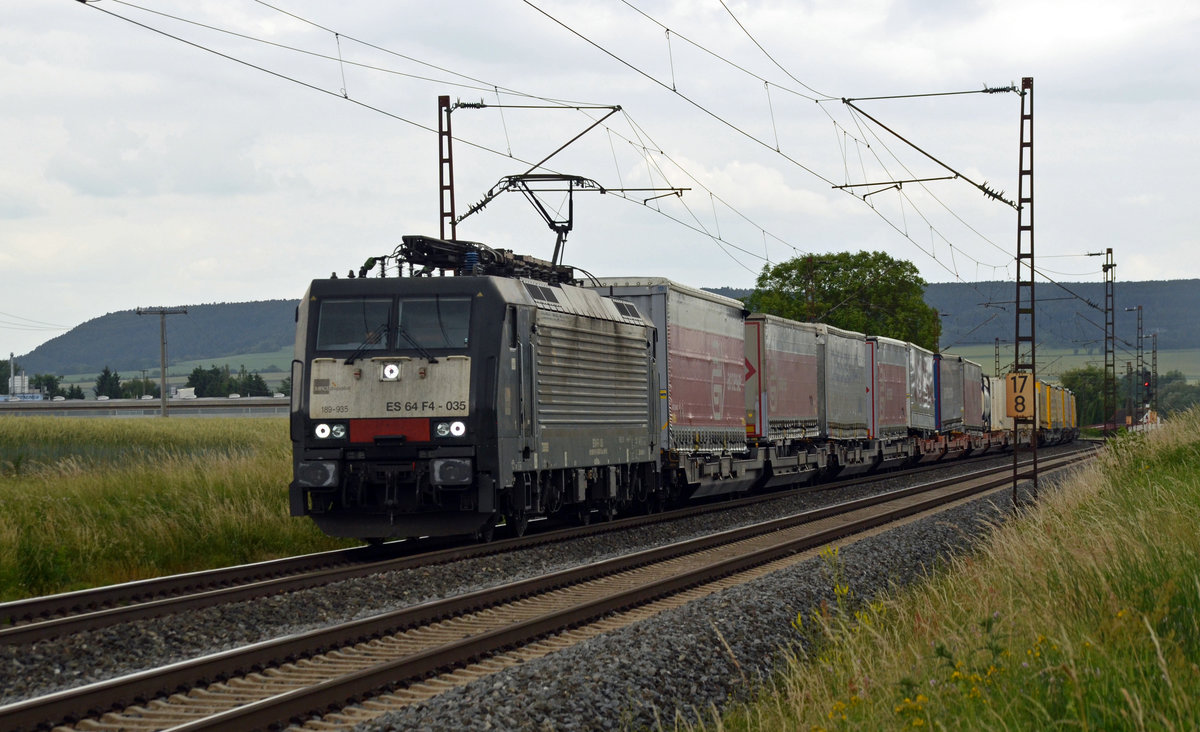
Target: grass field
x=1083 y=614
x=86 y=502
x=273 y=366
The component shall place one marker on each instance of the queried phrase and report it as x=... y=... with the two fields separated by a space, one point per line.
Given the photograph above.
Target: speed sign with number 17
x=1019 y=398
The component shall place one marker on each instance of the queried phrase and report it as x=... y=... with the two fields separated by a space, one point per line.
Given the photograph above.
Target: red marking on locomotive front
x=366 y=430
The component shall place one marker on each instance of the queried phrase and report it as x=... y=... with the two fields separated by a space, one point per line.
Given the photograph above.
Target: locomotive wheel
x=487 y=532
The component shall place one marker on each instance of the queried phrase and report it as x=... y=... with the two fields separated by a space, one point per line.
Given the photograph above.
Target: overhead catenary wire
x=480 y=84
x=901 y=228
x=329 y=30
x=696 y=104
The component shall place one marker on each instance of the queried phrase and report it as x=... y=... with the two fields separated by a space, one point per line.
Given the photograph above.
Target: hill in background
x=1070 y=316
x=127 y=342
x=973 y=313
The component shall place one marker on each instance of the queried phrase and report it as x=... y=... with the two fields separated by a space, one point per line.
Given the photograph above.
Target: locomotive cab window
x=360 y=323
x=433 y=322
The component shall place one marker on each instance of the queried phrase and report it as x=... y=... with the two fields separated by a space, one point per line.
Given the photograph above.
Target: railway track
x=40 y=618
x=297 y=676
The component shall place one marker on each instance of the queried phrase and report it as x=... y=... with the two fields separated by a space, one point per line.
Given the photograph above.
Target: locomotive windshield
x=353 y=324
x=369 y=324
x=434 y=322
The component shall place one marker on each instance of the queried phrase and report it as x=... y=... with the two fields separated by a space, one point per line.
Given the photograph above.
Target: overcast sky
x=141 y=171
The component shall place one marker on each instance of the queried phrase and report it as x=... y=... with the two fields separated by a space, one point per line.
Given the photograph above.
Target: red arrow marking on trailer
x=750 y=370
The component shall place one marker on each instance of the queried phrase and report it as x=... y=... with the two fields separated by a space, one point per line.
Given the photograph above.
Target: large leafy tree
x=867 y=292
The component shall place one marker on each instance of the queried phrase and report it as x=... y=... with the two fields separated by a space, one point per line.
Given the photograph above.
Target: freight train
x=440 y=405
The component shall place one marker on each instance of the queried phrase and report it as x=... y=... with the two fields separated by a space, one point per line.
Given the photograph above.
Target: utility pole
x=162 y=331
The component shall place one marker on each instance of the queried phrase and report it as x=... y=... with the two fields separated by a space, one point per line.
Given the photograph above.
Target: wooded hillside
x=128 y=342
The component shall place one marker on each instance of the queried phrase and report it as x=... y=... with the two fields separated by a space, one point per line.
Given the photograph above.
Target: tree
x=867 y=292
x=137 y=388
x=212 y=382
x=285 y=386
x=4 y=374
x=108 y=384
x=49 y=384
x=75 y=392
x=252 y=384
x=1088 y=386
x=1175 y=394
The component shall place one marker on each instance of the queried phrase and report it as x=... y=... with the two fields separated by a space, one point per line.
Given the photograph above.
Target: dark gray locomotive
x=436 y=405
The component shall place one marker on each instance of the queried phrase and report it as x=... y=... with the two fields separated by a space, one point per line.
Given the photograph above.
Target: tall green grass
x=1084 y=614
x=85 y=502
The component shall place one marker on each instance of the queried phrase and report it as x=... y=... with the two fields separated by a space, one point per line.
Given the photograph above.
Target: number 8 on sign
x=1019 y=401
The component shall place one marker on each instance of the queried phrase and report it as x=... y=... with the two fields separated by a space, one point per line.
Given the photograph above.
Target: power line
x=485 y=86
x=681 y=95
x=342 y=94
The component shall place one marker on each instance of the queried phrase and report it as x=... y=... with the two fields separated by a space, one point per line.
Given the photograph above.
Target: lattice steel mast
x=1024 y=344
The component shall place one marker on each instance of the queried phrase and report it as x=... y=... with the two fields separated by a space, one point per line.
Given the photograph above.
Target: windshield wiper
x=373 y=337
x=416 y=346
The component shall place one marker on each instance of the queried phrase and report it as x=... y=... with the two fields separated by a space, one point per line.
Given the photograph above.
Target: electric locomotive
x=437 y=405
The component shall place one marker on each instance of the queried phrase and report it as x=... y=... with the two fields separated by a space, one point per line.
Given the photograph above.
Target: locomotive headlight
x=457 y=428
x=391 y=371
x=330 y=430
